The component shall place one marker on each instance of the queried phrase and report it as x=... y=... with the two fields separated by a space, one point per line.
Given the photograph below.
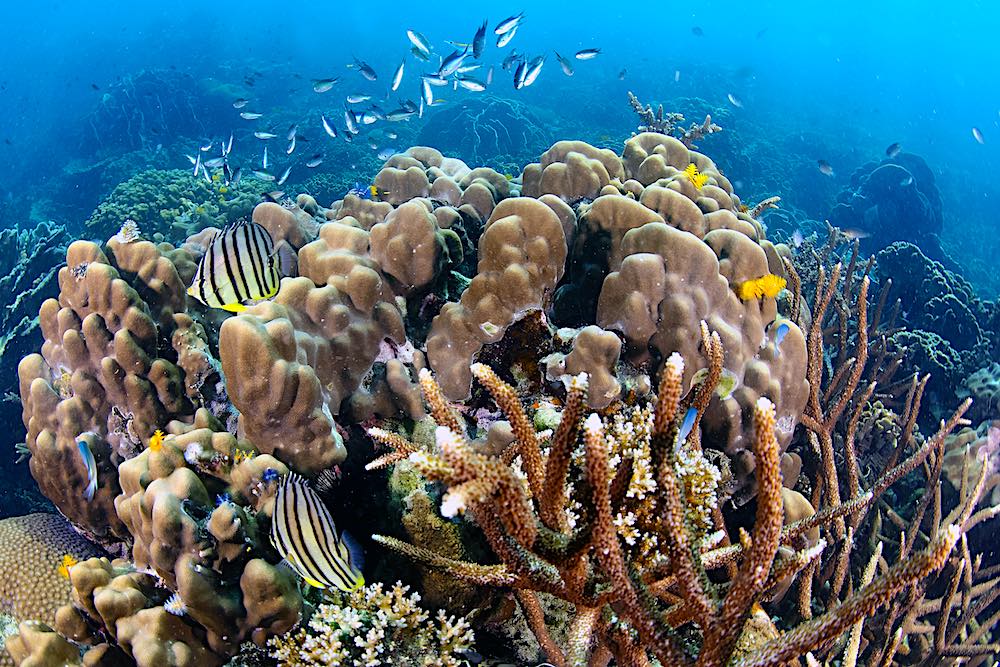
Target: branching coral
x=372 y=626
x=670 y=123
x=546 y=545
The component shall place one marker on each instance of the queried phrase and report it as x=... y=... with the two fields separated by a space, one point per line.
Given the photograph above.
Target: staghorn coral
x=671 y=123
x=373 y=626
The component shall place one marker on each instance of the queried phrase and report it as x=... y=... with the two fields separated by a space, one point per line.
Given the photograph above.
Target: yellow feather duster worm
x=768 y=286
x=698 y=179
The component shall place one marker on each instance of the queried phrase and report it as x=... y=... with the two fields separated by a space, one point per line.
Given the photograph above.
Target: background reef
x=700 y=375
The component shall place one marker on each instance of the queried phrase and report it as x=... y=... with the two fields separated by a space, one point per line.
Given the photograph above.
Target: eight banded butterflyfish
x=303 y=532
x=237 y=268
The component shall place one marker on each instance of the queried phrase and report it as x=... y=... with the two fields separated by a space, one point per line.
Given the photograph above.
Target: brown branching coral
x=555 y=533
x=670 y=123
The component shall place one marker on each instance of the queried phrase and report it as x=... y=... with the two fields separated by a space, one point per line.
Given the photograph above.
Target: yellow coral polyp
x=768 y=286
x=68 y=561
x=156 y=441
x=697 y=179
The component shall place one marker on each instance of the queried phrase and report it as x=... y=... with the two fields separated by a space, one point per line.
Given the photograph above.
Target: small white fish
x=386 y=153
x=397 y=78
x=229 y=146
x=977 y=135
x=240 y=103
x=435 y=80
x=329 y=128
x=207 y=147
x=508 y=24
x=587 y=54
x=392 y=135
x=420 y=109
x=426 y=94
x=293 y=129
x=191 y=157
x=504 y=39
x=263 y=163
x=264 y=136
x=824 y=167
x=215 y=162
x=249 y=115
x=465 y=69
x=284 y=175
x=350 y=121
x=489 y=76
x=734 y=101
x=367 y=118
x=472 y=84
x=323 y=85
x=677 y=75
x=566 y=66
x=291 y=146
x=906 y=181
x=315 y=161
x=797 y=238
x=534 y=69
x=358 y=99
x=419 y=42
x=197 y=165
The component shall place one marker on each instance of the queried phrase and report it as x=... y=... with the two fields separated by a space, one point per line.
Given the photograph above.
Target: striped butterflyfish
x=238 y=268
x=303 y=532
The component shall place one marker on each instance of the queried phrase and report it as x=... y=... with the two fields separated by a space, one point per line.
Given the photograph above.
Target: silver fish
x=197 y=165
x=284 y=175
x=504 y=39
x=567 y=68
x=328 y=126
x=240 y=103
x=519 y=74
x=427 y=95
x=399 y=114
x=351 y=121
x=367 y=118
x=397 y=78
x=472 y=84
x=489 y=76
x=365 y=69
x=435 y=80
x=420 y=55
x=292 y=131
x=229 y=145
x=419 y=41
x=508 y=24
x=358 y=99
x=215 y=162
x=587 y=54
x=315 y=161
x=734 y=101
x=978 y=135
x=534 y=69
x=249 y=115
x=451 y=64
x=323 y=85
x=264 y=136
x=263 y=162
x=291 y=146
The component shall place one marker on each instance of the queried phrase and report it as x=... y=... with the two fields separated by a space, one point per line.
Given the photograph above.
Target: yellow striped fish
x=303 y=532
x=237 y=268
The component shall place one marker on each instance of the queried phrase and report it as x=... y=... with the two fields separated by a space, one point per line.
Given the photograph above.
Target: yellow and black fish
x=237 y=268
x=303 y=532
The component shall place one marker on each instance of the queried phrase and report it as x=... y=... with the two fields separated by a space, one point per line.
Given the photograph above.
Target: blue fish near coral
x=686 y=426
x=366 y=192
x=90 y=464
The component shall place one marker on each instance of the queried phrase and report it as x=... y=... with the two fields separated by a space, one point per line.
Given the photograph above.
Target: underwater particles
x=303 y=532
x=238 y=268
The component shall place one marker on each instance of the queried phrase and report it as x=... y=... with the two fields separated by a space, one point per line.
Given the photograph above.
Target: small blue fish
x=779 y=336
x=270 y=476
x=686 y=426
x=90 y=464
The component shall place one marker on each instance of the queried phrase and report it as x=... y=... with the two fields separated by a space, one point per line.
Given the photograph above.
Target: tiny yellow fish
x=768 y=286
x=68 y=561
x=223 y=189
x=697 y=179
x=156 y=440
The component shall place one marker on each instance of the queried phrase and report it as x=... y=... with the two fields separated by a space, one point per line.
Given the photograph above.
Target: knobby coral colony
x=693 y=525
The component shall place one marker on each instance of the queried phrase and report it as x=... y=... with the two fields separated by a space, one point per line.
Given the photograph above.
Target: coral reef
x=173 y=203
x=678 y=430
x=895 y=199
x=372 y=626
x=671 y=123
